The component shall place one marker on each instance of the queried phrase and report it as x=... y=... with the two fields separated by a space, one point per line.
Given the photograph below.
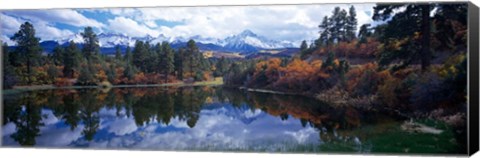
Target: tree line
x=409 y=61
x=84 y=64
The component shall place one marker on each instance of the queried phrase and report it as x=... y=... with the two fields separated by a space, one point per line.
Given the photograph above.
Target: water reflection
x=188 y=118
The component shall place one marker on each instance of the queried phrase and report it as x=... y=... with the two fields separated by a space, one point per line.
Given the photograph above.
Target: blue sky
x=282 y=22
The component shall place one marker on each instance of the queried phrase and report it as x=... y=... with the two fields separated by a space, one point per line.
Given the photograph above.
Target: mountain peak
x=248 y=32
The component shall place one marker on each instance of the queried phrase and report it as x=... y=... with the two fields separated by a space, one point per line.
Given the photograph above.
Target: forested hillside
x=414 y=61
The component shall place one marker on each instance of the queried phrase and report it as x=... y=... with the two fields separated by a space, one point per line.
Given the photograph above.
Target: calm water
x=206 y=119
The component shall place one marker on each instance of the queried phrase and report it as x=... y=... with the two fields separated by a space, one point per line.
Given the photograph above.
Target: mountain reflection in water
x=195 y=118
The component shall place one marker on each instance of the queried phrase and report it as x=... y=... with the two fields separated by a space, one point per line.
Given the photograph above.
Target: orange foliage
x=352 y=49
x=62 y=82
x=101 y=76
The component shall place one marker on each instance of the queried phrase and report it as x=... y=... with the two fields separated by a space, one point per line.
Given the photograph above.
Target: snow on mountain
x=161 y=38
x=77 y=38
x=206 y=40
x=247 y=37
x=112 y=40
x=246 y=41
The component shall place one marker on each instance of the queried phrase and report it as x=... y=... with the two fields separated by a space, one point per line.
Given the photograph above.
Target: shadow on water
x=206 y=118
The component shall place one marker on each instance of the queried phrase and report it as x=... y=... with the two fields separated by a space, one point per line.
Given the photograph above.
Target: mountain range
x=245 y=42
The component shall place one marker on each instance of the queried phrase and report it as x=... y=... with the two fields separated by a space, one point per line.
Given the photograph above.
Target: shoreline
x=52 y=87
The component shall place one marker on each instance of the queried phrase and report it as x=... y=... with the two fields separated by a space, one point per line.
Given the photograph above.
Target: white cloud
x=286 y=22
x=6 y=39
x=279 y=22
x=130 y=27
x=11 y=25
x=65 y=16
x=122 y=126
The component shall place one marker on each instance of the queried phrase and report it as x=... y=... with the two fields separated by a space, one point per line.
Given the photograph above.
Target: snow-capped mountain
x=111 y=40
x=244 y=42
x=249 y=39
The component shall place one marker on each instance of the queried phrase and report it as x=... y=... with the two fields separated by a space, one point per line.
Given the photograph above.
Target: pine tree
x=325 y=28
x=129 y=72
x=9 y=76
x=52 y=72
x=111 y=73
x=414 y=18
x=179 y=63
x=28 y=47
x=191 y=54
x=91 y=47
x=58 y=55
x=364 y=33
x=167 y=60
x=351 y=26
x=85 y=77
x=70 y=59
x=303 y=49
x=338 y=21
x=222 y=67
x=118 y=53
x=140 y=52
x=128 y=55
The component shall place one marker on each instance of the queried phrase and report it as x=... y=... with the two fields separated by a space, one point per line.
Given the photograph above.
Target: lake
x=205 y=118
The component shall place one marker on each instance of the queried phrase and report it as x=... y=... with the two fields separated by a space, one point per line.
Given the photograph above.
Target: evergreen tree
x=167 y=60
x=414 y=18
x=351 y=26
x=192 y=62
x=159 y=58
x=91 y=47
x=364 y=33
x=118 y=53
x=222 y=67
x=129 y=72
x=128 y=55
x=324 y=32
x=338 y=21
x=86 y=76
x=140 y=54
x=151 y=61
x=70 y=59
x=52 y=72
x=58 y=55
x=28 y=47
x=9 y=76
x=303 y=49
x=111 y=74
x=179 y=63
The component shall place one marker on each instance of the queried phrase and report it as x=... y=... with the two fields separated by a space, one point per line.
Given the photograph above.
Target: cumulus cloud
x=286 y=22
x=65 y=16
x=44 y=30
x=130 y=27
x=6 y=39
x=279 y=22
x=122 y=126
x=9 y=25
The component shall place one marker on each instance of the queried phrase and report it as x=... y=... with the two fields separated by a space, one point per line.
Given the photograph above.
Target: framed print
x=347 y=78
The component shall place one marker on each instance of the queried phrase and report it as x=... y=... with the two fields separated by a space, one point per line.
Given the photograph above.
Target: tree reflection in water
x=338 y=128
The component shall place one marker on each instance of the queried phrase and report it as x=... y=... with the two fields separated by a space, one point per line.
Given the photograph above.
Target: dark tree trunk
x=425 y=54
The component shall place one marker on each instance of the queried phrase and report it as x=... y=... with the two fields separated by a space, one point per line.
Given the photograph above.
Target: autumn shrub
x=62 y=82
x=353 y=49
x=428 y=92
x=356 y=75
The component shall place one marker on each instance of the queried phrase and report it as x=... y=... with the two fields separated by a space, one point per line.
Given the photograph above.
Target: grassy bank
x=216 y=82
